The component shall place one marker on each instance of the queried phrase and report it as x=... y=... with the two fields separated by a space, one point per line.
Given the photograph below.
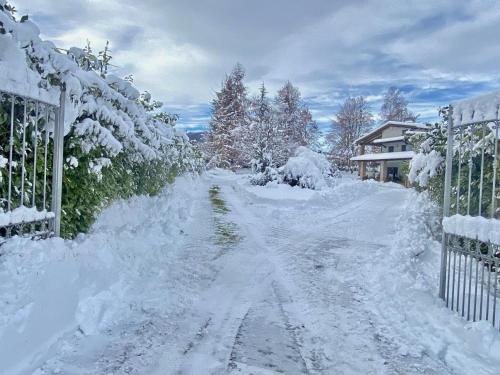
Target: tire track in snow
x=348 y=302
x=266 y=340
x=134 y=345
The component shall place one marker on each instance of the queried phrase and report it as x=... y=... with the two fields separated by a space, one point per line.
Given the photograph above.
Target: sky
x=180 y=50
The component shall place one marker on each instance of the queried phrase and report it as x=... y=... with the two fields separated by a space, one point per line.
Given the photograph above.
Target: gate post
x=57 y=168
x=446 y=203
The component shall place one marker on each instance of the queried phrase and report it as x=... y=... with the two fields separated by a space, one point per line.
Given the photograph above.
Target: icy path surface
x=249 y=280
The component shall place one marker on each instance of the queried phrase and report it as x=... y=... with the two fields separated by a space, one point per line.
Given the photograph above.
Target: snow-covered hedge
x=116 y=142
x=428 y=165
x=307 y=169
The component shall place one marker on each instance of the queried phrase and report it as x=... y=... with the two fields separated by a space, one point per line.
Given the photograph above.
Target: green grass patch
x=226 y=232
x=219 y=205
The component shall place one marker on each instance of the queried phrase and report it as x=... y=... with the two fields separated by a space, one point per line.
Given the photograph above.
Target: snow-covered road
x=290 y=296
x=219 y=277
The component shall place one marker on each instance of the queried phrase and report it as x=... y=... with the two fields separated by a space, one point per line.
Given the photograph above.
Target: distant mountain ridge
x=196 y=136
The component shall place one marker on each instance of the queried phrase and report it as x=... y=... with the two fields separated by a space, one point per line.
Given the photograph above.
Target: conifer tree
x=264 y=140
x=294 y=120
x=229 y=118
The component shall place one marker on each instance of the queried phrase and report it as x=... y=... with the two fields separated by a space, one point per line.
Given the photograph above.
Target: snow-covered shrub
x=425 y=166
x=121 y=144
x=308 y=169
x=262 y=178
x=430 y=149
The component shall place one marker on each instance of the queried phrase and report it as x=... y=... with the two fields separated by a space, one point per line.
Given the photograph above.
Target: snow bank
x=53 y=288
x=415 y=309
x=349 y=188
x=275 y=191
x=473 y=227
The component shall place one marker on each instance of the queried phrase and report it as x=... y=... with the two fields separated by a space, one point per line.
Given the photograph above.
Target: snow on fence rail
x=470 y=261
x=31 y=157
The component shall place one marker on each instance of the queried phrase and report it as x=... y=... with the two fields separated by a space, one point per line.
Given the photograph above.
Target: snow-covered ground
x=216 y=276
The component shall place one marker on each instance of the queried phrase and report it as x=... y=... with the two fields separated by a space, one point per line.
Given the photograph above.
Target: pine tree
x=395 y=107
x=229 y=117
x=294 y=120
x=263 y=141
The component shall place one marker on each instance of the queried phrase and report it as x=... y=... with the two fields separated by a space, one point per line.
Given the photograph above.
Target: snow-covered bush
x=116 y=142
x=307 y=169
x=262 y=178
x=425 y=166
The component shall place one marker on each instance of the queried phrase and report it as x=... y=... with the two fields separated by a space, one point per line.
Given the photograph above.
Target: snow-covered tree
x=116 y=143
x=353 y=120
x=229 y=118
x=294 y=121
x=395 y=107
x=263 y=140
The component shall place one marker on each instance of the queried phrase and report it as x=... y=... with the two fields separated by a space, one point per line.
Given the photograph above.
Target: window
x=403 y=148
x=391 y=148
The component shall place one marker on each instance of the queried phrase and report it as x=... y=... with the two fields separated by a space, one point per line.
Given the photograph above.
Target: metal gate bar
x=35 y=131
x=470 y=265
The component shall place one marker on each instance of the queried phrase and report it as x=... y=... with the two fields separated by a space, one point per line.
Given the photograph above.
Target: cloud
x=436 y=51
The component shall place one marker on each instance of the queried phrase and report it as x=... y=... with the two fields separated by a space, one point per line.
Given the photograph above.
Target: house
x=393 y=151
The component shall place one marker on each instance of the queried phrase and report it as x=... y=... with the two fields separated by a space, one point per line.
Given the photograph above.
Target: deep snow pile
x=414 y=308
x=306 y=169
x=80 y=287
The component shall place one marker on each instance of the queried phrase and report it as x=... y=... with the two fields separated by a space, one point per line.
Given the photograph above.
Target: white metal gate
x=31 y=157
x=470 y=261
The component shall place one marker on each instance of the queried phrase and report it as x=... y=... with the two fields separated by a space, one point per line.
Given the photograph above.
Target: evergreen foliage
x=118 y=143
x=229 y=116
x=256 y=131
x=428 y=167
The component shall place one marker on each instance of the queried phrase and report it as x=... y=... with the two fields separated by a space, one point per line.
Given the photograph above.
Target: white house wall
x=392 y=131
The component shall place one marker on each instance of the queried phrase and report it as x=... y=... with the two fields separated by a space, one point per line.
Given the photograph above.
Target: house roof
x=402 y=155
x=368 y=137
